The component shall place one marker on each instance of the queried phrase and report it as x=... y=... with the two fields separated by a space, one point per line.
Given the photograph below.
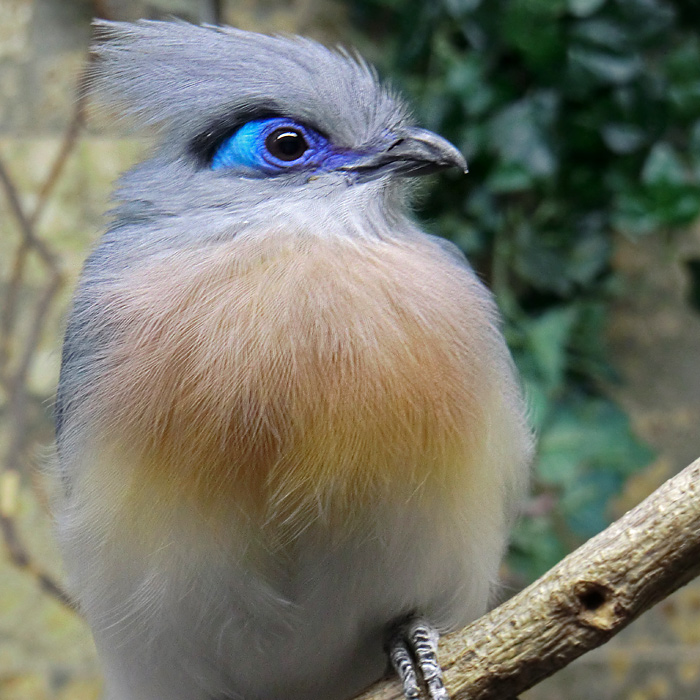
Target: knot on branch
x=597 y=605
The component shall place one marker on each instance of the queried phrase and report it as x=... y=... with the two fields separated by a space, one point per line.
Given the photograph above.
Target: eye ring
x=286 y=144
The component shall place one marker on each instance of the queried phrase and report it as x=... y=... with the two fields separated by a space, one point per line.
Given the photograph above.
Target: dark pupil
x=286 y=144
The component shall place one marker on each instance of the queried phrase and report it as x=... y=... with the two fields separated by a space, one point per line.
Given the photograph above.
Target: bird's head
x=257 y=128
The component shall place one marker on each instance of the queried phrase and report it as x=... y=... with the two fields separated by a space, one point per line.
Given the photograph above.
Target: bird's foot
x=412 y=648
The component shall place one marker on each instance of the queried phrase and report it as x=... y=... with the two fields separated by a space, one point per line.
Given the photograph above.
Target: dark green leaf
x=518 y=134
x=584 y=8
x=623 y=138
x=547 y=339
x=663 y=166
x=606 y=67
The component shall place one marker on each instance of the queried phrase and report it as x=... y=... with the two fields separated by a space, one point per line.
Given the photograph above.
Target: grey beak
x=415 y=151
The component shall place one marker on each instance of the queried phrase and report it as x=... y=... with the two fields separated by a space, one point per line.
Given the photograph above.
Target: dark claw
x=412 y=648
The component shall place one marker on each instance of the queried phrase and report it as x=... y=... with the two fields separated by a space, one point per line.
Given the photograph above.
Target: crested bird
x=290 y=436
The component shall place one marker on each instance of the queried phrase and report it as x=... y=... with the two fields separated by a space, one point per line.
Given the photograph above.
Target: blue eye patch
x=274 y=145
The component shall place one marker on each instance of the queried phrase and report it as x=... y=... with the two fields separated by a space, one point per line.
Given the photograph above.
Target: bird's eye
x=286 y=144
x=271 y=146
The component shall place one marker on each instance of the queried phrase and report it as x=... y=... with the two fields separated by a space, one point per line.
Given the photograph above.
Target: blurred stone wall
x=60 y=172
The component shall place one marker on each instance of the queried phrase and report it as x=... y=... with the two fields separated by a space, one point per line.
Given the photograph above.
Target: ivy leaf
x=509 y=177
x=586 y=506
x=694 y=149
x=623 y=138
x=663 y=166
x=584 y=8
x=535 y=546
x=547 y=338
x=604 y=66
x=602 y=33
x=459 y=8
x=520 y=136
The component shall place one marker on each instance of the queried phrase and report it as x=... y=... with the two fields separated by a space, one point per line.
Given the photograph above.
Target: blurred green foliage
x=578 y=118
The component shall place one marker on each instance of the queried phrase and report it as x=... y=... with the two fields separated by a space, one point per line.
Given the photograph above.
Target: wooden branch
x=579 y=604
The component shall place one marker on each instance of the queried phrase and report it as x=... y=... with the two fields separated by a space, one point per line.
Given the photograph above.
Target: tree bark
x=579 y=604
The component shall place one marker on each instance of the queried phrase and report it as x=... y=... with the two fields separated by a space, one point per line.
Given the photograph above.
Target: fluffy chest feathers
x=296 y=378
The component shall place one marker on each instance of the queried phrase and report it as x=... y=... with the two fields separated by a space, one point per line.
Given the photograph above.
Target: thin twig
x=9 y=309
x=20 y=558
x=67 y=145
x=25 y=226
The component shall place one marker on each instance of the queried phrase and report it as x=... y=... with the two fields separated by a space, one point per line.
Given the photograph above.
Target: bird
x=290 y=436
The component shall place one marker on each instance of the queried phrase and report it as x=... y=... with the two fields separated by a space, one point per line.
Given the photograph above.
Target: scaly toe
x=412 y=648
